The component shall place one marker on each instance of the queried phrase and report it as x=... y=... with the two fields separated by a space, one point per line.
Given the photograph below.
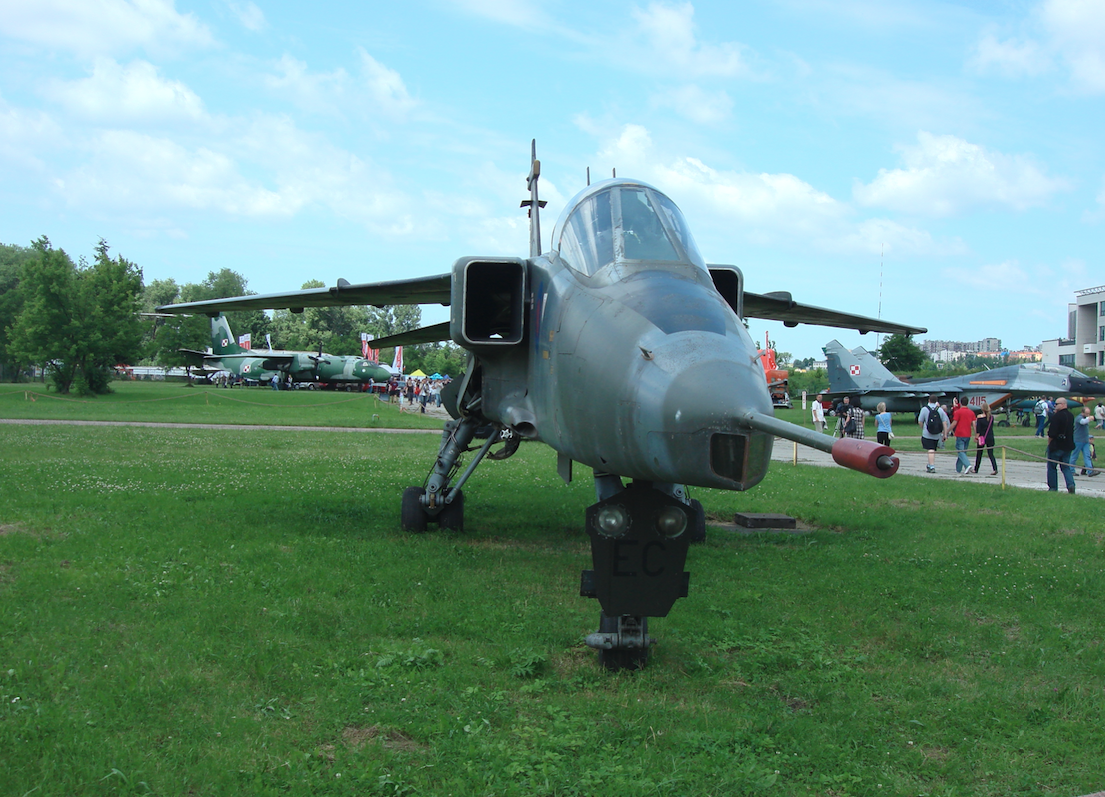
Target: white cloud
x=670 y=37
x=1012 y=57
x=266 y=169
x=376 y=90
x=92 y=27
x=23 y=135
x=132 y=170
x=251 y=17
x=944 y=175
x=518 y=13
x=134 y=93
x=1067 y=31
x=762 y=208
x=695 y=104
x=1077 y=28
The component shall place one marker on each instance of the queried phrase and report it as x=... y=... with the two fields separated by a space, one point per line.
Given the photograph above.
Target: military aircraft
x=858 y=372
x=301 y=366
x=625 y=352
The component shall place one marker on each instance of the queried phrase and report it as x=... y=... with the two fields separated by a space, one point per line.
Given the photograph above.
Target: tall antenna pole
x=533 y=203
x=878 y=335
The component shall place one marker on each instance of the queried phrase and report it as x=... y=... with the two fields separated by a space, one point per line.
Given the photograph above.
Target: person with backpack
x=1040 y=411
x=934 y=430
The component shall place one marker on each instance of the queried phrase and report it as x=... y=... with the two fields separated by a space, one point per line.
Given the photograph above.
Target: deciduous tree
x=78 y=320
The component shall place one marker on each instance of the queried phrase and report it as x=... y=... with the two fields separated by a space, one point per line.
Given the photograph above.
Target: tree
x=220 y=285
x=78 y=321
x=12 y=260
x=899 y=353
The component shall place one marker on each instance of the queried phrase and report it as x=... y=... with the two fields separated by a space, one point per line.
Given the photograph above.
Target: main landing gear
x=441 y=500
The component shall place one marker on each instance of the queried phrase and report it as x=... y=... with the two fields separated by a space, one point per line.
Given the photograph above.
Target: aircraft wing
x=413 y=337
x=779 y=306
x=421 y=290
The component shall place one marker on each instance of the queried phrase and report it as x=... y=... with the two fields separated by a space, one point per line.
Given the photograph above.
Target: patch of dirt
x=936 y=753
x=356 y=737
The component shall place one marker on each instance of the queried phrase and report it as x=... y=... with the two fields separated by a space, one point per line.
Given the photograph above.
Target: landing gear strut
x=441 y=500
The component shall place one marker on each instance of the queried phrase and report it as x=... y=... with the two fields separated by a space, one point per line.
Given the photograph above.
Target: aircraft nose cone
x=1087 y=386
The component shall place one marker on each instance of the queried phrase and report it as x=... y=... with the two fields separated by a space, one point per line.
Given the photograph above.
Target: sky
x=936 y=164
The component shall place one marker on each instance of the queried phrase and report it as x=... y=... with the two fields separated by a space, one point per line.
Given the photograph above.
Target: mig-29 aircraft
x=301 y=366
x=625 y=352
x=858 y=372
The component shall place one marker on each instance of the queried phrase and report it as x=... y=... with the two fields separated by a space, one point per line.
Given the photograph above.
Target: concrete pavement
x=1026 y=475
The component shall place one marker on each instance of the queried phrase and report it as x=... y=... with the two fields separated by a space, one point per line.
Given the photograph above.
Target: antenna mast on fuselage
x=533 y=203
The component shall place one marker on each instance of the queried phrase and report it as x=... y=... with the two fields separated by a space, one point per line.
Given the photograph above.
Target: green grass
x=160 y=402
x=218 y=611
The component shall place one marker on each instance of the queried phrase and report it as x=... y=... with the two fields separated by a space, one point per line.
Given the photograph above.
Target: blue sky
x=957 y=149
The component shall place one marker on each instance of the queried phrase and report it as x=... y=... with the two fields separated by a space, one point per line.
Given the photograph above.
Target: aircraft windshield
x=1048 y=368
x=626 y=222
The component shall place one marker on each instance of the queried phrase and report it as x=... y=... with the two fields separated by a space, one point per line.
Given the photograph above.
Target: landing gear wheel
x=413 y=517
x=451 y=518
x=1003 y=423
x=621 y=658
x=698 y=530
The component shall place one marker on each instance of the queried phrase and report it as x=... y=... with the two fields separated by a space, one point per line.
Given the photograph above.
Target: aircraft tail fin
x=855 y=371
x=222 y=339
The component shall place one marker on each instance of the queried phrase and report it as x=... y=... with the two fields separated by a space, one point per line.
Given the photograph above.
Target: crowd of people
x=416 y=392
x=1068 y=436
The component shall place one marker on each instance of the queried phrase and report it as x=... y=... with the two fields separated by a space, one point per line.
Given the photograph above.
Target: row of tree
x=78 y=320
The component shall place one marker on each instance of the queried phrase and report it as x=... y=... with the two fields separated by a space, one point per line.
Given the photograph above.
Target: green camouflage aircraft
x=302 y=366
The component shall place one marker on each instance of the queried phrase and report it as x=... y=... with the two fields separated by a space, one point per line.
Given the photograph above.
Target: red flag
x=397 y=363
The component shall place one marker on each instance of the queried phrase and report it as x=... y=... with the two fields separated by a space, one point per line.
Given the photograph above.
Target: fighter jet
x=858 y=372
x=301 y=366
x=625 y=352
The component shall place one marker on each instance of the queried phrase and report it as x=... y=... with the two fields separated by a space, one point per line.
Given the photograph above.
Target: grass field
x=217 y=611
x=160 y=402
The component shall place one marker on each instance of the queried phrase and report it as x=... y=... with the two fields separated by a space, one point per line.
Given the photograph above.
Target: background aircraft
x=623 y=351
x=858 y=372
x=301 y=366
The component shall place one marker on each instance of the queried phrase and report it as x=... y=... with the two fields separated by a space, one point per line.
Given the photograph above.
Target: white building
x=1084 y=345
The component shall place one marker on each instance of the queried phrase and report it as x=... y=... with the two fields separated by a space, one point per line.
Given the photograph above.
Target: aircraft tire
x=698 y=531
x=451 y=517
x=413 y=517
x=621 y=658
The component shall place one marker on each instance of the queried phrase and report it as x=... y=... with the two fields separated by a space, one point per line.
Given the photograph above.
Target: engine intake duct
x=489 y=299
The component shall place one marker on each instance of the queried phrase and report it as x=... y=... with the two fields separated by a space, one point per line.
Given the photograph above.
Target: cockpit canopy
x=623 y=221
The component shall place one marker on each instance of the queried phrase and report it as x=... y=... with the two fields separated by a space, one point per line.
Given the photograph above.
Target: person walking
x=1099 y=414
x=963 y=422
x=1082 y=444
x=883 y=432
x=984 y=428
x=934 y=429
x=1060 y=444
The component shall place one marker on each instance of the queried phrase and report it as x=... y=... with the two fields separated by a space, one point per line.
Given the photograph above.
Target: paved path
x=1025 y=475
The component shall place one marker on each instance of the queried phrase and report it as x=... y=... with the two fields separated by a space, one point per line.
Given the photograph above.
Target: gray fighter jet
x=625 y=352
x=858 y=372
